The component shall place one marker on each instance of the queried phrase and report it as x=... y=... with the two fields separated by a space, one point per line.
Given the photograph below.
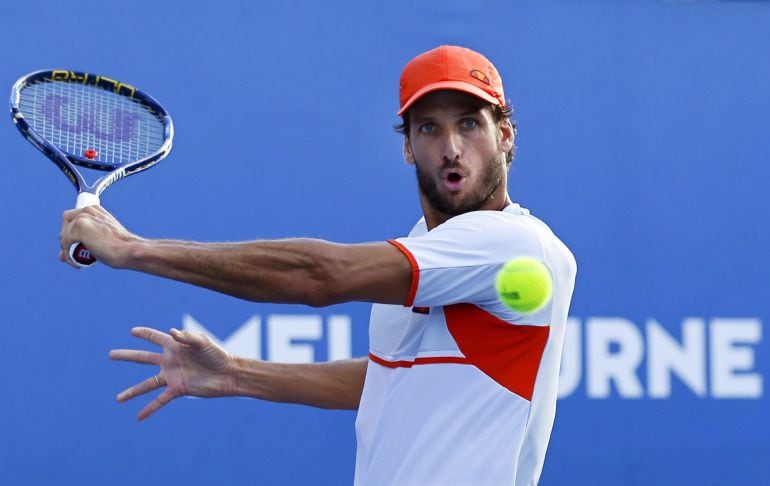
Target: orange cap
x=450 y=67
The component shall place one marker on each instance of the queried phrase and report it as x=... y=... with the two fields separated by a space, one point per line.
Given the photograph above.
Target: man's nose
x=452 y=146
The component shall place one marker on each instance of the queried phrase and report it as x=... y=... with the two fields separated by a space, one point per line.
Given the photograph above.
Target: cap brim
x=451 y=85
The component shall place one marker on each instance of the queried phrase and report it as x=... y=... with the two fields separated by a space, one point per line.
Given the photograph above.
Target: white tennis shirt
x=460 y=389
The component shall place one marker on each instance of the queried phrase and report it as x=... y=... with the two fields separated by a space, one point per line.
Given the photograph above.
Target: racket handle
x=79 y=254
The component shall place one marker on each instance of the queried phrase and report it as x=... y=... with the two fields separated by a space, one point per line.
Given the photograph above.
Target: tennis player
x=457 y=387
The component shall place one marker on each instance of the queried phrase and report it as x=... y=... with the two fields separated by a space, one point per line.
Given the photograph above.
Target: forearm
x=335 y=385
x=298 y=271
x=293 y=271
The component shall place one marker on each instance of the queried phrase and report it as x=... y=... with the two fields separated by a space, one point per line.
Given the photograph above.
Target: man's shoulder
x=482 y=231
x=513 y=227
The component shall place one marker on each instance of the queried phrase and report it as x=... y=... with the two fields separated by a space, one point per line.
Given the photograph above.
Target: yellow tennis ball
x=524 y=284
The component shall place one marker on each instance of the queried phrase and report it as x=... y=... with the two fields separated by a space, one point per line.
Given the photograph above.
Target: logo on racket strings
x=118 y=127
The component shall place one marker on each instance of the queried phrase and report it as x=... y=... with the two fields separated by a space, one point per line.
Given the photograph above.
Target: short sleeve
x=456 y=262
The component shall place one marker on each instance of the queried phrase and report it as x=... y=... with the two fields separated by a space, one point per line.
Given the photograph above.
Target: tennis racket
x=80 y=119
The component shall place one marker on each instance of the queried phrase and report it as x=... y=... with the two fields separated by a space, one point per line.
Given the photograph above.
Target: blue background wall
x=643 y=141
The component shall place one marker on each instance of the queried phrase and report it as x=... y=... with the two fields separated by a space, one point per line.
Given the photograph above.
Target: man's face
x=458 y=150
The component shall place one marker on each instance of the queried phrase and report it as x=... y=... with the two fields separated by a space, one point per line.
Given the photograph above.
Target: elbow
x=326 y=277
x=318 y=298
x=323 y=293
x=327 y=286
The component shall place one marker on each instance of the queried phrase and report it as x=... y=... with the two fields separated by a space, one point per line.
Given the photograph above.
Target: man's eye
x=427 y=128
x=470 y=123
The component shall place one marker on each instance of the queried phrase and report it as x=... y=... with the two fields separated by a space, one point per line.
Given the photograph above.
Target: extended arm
x=302 y=271
x=191 y=364
x=336 y=384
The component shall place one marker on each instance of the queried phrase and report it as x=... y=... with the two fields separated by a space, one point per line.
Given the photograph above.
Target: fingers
x=136 y=356
x=154 y=382
x=69 y=215
x=155 y=405
x=152 y=335
x=65 y=257
x=148 y=385
x=65 y=235
x=189 y=338
x=97 y=229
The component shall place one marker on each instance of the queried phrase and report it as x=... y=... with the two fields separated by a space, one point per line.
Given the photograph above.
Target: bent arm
x=297 y=271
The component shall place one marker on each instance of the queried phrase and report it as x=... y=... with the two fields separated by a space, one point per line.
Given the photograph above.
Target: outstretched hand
x=191 y=364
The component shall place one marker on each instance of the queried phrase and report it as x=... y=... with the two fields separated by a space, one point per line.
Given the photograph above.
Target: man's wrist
x=135 y=251
x=232 y=371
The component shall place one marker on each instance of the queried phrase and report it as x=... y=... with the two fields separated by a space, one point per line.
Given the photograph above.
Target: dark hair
x=499 y=113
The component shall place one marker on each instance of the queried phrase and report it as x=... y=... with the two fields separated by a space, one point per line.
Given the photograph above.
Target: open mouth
x=454 y=180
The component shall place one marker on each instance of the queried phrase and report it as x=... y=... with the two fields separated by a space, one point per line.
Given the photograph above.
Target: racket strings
x=77 y=118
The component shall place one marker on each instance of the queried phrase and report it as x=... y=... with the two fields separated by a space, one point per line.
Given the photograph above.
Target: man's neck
x=433 y=217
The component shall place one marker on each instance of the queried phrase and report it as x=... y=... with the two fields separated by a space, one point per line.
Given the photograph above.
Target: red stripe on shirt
x=419 y=361
x=415 y=271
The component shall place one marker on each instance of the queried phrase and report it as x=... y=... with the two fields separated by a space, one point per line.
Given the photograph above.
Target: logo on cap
x=480 y=76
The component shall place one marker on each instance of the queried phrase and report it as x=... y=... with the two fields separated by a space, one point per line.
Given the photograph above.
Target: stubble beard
x=429 y=187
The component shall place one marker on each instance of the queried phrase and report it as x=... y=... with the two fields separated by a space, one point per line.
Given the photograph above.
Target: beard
x=491 y=179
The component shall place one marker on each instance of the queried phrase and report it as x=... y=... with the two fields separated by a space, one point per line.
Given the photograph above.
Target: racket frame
x=67 y=162
x=89 y=194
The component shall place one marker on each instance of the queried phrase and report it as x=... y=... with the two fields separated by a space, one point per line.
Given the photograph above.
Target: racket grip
x=79 y=254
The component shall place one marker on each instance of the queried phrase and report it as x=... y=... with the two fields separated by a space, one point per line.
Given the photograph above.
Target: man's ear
x=408 y=153
x=507 y=136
